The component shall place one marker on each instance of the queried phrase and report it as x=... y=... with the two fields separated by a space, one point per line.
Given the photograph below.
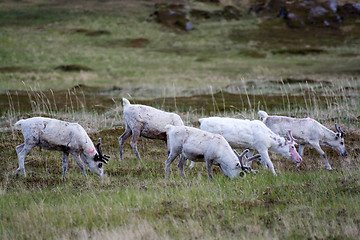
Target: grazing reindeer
x=201 y=146
x=253 y=135
x=145 y=121
x=69 y=138
x=307 y=131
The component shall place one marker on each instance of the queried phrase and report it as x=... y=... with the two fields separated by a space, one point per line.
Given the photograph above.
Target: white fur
x=306 y=131
x=53 y=134
x=251 y=134
x=201 y=146
x=147 y=122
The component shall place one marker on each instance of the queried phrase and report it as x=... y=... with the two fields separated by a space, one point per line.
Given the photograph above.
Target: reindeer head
x=99 y=158
x=232 y=165
x=245 y=167
x=290 y=148
x=338 y=142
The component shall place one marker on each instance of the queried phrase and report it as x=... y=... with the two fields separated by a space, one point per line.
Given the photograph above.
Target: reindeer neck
x=327 y=134
x=89 y=148
x=276 y=141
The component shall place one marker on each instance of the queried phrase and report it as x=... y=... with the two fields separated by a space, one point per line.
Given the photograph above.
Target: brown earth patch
x=72 y=68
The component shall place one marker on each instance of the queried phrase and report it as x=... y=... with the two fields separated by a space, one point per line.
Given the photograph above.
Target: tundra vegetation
x=76 y=60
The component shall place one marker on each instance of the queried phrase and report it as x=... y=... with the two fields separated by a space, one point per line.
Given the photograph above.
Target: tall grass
x=322 y=102
x=73 y=107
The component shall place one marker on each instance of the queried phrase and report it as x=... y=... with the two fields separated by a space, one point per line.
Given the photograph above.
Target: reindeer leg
x=169 y=161
x=266 y=159
x=301 y=152
x=192 y=165
x=328 y=167
x=209 y=164
x=122 y=140
x=65 y=158
x=167 y=145
x=135 y=136
x=22 y=151
x=181 y=166
x=79 y=162
x=322 y=153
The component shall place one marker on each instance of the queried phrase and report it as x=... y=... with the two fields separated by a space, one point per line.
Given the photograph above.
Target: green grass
x=311 y=202
x=36 y=38
x=225 y=68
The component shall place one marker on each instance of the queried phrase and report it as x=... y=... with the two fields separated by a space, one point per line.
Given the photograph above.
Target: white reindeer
x=307 y=131
x=145 y=121
x=253 y=135
x=69 y=138
x=201 y=146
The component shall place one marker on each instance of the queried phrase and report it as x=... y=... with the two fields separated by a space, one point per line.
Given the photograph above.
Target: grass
x=75 y=60
x=312 y=202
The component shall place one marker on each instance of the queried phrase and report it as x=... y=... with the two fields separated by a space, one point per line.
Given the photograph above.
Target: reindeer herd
x=212 y=143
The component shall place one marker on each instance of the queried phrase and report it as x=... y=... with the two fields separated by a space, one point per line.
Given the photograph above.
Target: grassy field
x=75 y=60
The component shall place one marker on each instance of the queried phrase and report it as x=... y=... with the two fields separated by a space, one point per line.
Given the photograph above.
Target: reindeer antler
x=257 y=156
x=240 y=156
x=102 y=157
x=338 y=129
x=292 y=139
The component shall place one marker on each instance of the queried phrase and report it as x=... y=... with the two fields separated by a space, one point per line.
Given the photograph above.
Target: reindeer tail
x=263 y=115
x=125 y=102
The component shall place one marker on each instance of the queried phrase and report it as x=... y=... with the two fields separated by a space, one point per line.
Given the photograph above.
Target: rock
x=228 y=13
x=231 y=12
x=332 y=5
x=265 y=7
x=172 y=16
x=350 y=10
x=200 y=14
x=209 y=1
x=305 y=13
x=312 y=13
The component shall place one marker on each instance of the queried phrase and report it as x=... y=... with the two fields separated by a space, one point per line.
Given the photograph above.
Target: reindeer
x=201 y=146
x=253 y=135
x=69 y=138
x=145 y=121
x=307 y=131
